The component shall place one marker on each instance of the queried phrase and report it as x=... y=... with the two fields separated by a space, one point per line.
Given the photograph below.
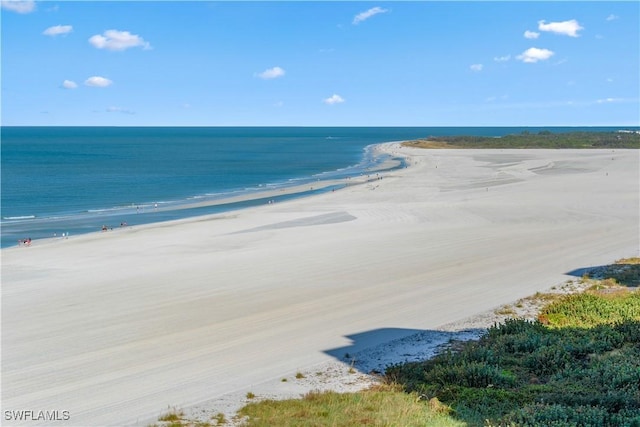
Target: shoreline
x=181 y=313
x=150 y=213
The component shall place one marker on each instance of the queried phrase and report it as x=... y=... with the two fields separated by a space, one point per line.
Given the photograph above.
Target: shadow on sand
x=373 y=351
x=625 y=273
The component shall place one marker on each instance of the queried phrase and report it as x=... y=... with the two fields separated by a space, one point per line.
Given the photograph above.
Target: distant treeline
x=543 y=139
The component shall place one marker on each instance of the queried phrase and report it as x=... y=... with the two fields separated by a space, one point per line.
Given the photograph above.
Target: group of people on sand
x=27 y=241
x=106 y=228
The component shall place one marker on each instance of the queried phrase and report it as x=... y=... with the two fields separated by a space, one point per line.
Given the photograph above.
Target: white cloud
x=497 y=98
x=502 y=58
x=334 y=99
x=119 y=110
x=531 y=35
x=476 y=67
x=363 y=16
x=18 y=6
x=612 y=17
x=118 y=40
x=279 y=104
x=609 y=100
x=57 y=30
x=533 y=54
x=271 y=73
x=97 y=81
x=567 y=28
x=69 y=84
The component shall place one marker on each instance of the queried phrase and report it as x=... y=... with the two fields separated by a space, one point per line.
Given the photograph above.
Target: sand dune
x=115 y=327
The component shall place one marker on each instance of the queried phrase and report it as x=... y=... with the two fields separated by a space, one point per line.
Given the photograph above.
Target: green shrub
x=588 y=309
x=560 y=415
x=585 y=373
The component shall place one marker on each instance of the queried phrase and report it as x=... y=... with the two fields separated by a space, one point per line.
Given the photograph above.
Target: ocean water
x=73 y=180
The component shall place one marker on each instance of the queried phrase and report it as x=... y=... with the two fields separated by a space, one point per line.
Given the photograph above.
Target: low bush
x=581 y=369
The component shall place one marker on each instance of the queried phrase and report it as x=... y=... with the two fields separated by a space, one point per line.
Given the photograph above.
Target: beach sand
x=116 y=327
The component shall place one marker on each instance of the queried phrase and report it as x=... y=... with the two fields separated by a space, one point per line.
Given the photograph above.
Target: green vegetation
x=588 y=309
x=381 y=406
x=625 y=272
x=172 y=416
x=177 y=418
x=544 y=139
x=219 y=418
x=578 y=366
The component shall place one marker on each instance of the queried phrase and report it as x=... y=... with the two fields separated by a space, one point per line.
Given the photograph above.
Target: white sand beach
x=116 y=327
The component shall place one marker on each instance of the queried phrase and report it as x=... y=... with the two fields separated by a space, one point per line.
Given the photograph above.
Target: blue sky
x=333 y=63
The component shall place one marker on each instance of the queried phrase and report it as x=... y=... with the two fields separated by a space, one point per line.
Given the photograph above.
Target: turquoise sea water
x=74 y=179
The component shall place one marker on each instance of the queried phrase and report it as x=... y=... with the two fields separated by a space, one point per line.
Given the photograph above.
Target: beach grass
x=384 y=405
